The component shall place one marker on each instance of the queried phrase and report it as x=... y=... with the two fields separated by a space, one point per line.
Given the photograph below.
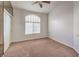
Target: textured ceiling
x=27 y=5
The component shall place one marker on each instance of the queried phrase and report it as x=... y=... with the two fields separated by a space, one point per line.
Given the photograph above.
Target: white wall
x=61 y=23
x=18 y=26
x=76 y=25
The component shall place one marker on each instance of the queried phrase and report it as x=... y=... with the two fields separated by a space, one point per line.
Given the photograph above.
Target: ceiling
x=27 y=5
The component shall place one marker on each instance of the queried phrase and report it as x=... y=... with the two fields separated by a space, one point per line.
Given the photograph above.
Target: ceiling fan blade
x=34 y=2
x=40 y=5
x=46 y=2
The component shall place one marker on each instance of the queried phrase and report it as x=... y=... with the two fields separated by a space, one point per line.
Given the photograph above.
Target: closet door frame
x=7 y=26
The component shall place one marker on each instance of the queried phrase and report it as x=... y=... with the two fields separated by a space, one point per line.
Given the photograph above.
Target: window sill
x=33 y=34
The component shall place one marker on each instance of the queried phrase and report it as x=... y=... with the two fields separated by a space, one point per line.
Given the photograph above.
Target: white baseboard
x=27 y=39
x=64 y=44
x=53 y=38
x=76 y=50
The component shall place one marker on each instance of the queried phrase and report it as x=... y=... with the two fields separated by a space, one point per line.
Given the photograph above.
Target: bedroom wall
x=60 y=23
x=18 y=25
x=76 y=25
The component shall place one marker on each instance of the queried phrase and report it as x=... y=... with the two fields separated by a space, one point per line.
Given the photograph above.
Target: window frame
x=33 y=24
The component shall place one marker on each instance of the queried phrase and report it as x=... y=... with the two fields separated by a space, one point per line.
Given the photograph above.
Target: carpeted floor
x=44 y=47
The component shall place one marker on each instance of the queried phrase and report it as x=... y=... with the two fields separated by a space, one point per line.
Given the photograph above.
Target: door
x=7 y=24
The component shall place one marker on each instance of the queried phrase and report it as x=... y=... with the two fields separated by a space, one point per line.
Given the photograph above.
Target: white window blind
x=32 y=24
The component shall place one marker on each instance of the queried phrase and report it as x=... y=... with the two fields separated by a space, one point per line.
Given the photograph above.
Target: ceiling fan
x=40 y=3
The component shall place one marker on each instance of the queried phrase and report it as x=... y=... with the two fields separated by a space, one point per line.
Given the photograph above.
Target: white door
x=7 y=23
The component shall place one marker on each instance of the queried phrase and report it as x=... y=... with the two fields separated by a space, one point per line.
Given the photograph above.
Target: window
x=32 y=24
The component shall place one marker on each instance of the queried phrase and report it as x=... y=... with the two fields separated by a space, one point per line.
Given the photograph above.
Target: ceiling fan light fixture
x=40 y=3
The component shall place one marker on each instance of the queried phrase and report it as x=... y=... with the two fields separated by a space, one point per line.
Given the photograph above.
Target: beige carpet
x=44 y=47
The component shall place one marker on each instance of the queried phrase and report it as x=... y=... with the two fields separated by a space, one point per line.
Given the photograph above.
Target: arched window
x=32 y=24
